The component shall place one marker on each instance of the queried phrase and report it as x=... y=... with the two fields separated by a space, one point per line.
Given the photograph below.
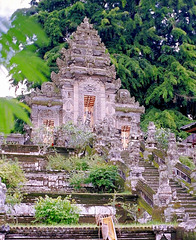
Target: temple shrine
x=85 y=90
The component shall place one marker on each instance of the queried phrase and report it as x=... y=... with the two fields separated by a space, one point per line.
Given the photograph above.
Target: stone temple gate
x=85 y=90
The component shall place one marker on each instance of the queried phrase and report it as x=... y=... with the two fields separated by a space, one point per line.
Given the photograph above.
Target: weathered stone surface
x=2 y=197
x=172 y=155
x=47 y=182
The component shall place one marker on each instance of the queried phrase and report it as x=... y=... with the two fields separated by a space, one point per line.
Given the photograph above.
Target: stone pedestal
x=164 y=194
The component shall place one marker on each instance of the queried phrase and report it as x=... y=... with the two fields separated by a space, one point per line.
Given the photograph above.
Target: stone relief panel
x=68 y=104
x=51 y=114
x=48 y=88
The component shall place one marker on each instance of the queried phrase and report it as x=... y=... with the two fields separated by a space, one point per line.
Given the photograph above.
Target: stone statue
x=151 y=141
x=164 y=194
x=2 y=196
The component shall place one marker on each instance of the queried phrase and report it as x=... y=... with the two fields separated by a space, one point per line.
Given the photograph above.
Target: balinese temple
x=85 y=90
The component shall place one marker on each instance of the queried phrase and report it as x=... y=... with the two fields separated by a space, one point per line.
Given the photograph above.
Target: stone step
x=192 y=202
x=75 y=233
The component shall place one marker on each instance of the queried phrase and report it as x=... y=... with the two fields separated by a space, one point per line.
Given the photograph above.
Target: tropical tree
x=20 y=41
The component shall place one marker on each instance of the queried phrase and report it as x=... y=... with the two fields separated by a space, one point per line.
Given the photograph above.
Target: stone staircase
x=150 y=174
x=186 y=200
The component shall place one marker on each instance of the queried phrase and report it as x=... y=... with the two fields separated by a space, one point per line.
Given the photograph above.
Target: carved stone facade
x=85 y=90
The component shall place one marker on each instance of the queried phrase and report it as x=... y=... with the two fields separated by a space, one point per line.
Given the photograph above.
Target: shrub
x=104 y=178
x=59 y=162
x=162 y=137
x=77 y=179
x=54 y=211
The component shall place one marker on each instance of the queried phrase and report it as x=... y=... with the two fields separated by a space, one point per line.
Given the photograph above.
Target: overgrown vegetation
x=162 y=137
x=72 y=136
x=87 y=170
x=185 y=235
x=187 y=162
x=56 y=211
x=12 y=175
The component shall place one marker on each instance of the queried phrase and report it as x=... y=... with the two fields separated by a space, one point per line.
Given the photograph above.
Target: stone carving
x=115 y=154
x=134 y=150
x=123 y=96
x=107 y=138
x=151 y=141
x=2 y=196
x=164 y=193
x=135 y=131
x=48 y=88
x=90 y=88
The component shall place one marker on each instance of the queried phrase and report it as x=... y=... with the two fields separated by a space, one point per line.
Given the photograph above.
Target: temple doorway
x=89 y=102
x=125 y=133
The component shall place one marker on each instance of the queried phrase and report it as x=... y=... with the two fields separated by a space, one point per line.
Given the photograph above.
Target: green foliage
x=19 y=53
x=167 y=119
x=9 y=109
x=188 y=162
x=88 y=169
x=162 y=137
x=104 y=178
x=19 y=50
x=55 y=211
x=11 y=173
x=59 y=162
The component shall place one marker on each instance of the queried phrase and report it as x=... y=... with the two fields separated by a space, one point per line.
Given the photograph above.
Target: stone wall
x=47 y=181
x=144 y=233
